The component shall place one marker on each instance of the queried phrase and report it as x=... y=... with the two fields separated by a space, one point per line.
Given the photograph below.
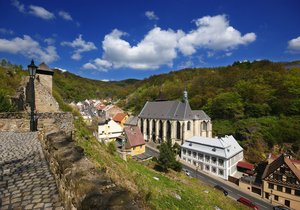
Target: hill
x=257 y=102
x=71 y=86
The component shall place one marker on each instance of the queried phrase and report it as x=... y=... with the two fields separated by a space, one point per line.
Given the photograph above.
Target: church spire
x=185 y=96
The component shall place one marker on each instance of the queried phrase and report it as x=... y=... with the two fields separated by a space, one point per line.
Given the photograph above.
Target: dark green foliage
x=111 y=147
x=5 y=105
x=167 y=158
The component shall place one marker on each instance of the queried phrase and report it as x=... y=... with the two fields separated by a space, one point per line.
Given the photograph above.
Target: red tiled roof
x=134 y=136
x=119 y=117
x=274 y=157
x=244 y=164
x=100 y=107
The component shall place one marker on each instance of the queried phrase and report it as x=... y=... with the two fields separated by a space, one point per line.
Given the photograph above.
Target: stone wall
x=49 y=122
x=81 y=184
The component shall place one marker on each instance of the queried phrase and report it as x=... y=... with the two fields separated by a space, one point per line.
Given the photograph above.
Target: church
x=161 y=120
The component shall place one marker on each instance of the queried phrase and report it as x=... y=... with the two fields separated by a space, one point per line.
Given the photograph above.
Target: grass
x=172 y=191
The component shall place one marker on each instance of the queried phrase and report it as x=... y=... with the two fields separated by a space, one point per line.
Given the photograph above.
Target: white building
x=109 y=131
x=217 y=156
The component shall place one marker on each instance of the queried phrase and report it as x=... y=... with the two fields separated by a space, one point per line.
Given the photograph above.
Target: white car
x=187 y=172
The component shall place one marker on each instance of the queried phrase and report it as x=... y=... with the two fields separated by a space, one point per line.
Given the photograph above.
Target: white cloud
x=157 y=48
x=18 y=5
x=41 y=12
x=151 y=15
x=160 y=47
x=29 y=48
x=294 y=45
x=6 y=31
x=65 y=15
x=79 y=46
x=213 y=33
x=49 y=41
x=61 y=69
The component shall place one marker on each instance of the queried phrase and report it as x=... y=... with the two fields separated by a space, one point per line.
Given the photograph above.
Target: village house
x=108 y=131
x=173 y=120
x=281 y=182
x=120 y=118
x=217 y=156
x=110 y=111
x=135 y=142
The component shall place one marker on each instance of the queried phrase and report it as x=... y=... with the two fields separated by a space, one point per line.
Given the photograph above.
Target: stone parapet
x=81 y=184
x=48 y=121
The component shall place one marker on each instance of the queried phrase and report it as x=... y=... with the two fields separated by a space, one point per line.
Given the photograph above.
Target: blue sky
x=115 y=40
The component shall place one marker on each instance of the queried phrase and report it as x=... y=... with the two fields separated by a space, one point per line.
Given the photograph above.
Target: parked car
x=247 y=203
x=280 y=208
x=187 y=172
x=218 y=187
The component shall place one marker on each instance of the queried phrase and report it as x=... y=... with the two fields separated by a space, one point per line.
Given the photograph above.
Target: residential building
x=281 y=182
x=111 y=110
x=135 y=140
x=173 y=120
x=217 y=156
x=108 y=131
x=120 y=118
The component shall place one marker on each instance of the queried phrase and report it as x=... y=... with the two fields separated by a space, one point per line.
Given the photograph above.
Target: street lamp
x=32 y=71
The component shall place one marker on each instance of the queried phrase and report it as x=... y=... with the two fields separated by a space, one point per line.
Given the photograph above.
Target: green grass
x=139 y=179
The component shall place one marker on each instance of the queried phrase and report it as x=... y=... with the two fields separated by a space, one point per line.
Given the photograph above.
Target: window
x=282 y=170
x=287 y=203
x=207 y=167
x=189 y=152
x=279 y=188
x=194 y=162
x=184 y=151
x=297 y=192
x=291 y=180
x=194 y=154
x=207 y=158
x=189 y=125
x=204 y=126
x=221 y=162
x=200 y=156
x=288 y=190
x=271 y=186
x=267 y=195
x=221 y=172
x=184 y=159
x=214 y=170
x=276 y=197
x=214 y=160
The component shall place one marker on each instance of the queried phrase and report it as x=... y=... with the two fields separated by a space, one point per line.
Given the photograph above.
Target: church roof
x=175 y=110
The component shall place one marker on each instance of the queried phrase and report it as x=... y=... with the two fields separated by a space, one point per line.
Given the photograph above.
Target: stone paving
x=25 y=179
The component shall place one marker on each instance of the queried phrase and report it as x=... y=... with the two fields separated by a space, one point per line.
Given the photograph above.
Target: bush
x=112 y=147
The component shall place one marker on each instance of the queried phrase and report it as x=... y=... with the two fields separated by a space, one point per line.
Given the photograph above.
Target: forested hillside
x=75 y=88
x=258 y=102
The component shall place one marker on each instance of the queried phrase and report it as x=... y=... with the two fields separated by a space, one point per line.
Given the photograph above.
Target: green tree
x=226 y=106
x=167 y=158
x=5 y=105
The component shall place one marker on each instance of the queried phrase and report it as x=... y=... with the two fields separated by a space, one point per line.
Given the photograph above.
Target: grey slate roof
x=132 y=120
x=175 y=110
x=224 y=147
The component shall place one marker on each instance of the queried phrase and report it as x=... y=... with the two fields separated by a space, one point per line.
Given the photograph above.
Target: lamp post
x=32 y=71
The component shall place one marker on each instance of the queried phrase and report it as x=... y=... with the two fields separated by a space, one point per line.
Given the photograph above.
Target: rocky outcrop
x=80 y=183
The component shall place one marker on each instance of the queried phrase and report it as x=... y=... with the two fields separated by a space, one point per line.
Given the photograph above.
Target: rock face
x=80 y=183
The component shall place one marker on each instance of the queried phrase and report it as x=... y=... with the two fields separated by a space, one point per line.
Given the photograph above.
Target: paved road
x=25 y=179
x=232 y=192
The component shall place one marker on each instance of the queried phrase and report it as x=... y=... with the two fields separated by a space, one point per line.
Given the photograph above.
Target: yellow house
x=281 y=183
x=135 y=140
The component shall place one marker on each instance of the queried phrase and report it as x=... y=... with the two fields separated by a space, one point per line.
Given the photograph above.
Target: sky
x=121 y=39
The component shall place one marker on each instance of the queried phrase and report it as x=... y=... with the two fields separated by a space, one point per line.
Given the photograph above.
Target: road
x=232 y=192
